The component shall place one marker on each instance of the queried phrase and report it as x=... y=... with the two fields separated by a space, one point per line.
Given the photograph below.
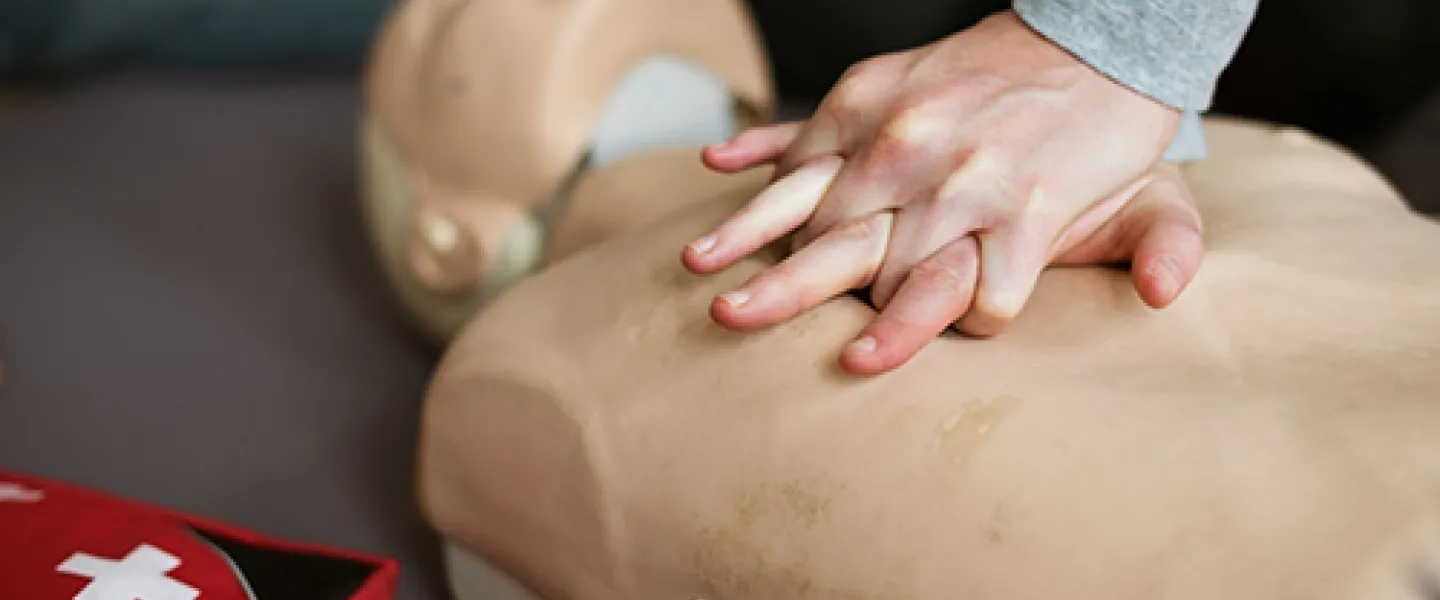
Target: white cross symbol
x=14 y=492
x=141 y=575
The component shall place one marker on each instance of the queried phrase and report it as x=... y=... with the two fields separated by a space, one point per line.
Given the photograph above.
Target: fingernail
x=736 y=299
x=703 y=245
x=864 y=345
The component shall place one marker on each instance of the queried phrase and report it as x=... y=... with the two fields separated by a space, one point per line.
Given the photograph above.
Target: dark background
x=1363 y=72
x=1348 y=69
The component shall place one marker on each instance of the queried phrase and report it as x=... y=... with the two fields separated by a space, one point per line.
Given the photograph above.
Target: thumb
x=1159 y=233
x=1168 y=252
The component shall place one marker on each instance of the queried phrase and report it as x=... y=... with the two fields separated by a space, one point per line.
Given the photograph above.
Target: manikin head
x=482 y=115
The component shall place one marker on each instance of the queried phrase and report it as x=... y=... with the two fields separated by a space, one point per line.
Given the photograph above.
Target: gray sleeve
x=1171 y=51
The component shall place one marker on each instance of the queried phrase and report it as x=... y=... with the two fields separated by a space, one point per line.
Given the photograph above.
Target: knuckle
x=776 y=283
x=854 y=85
x=886 y=155
x=998 y=307
x=862 y=228
x=866 y=228
x=980 y=323
x=938 y=274
x=980 y=173
x=901 y=131
x=1000 y=218
x=922 y=124
x=901 y=140
x=867 y=79
x=990 y=193
x=996 y=160
x=934 y=100
x=847 y=96
x=865 y=69
x=1033 y=198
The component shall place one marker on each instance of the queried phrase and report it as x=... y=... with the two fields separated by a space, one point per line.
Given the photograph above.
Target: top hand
x=993 y=141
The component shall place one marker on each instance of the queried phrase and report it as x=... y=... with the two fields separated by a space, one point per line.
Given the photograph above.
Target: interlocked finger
x=896 y=167
x=850 y=113
x=934 y=294
x=1013 y=257
x=776 y=211
x=751 y=148
x=843 y=259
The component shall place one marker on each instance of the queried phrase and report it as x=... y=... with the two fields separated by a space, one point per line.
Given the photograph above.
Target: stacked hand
x=1157 y=231
x=946 y=179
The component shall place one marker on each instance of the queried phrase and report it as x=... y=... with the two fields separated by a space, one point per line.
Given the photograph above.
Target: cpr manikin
x=592 y=435
x=1274 y=435
x=481 y=115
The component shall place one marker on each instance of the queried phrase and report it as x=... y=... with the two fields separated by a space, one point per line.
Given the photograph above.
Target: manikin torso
x=1275 y=435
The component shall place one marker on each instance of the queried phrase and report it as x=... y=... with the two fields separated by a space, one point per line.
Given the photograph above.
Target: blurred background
x=189 y=310
x=1363 y=72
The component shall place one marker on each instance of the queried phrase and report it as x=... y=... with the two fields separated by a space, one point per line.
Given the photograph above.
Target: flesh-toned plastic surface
x=1271 y=436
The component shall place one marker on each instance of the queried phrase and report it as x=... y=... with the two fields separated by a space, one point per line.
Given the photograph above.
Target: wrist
x=1089 y=37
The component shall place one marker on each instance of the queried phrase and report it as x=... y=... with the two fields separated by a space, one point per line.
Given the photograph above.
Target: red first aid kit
x=61 y=542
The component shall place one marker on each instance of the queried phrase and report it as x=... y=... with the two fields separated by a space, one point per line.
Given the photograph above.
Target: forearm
x=1172 y=51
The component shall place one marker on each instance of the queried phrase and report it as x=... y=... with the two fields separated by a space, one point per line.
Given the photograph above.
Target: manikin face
x=445 y=252
x=455 y=162
x=481 y=117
